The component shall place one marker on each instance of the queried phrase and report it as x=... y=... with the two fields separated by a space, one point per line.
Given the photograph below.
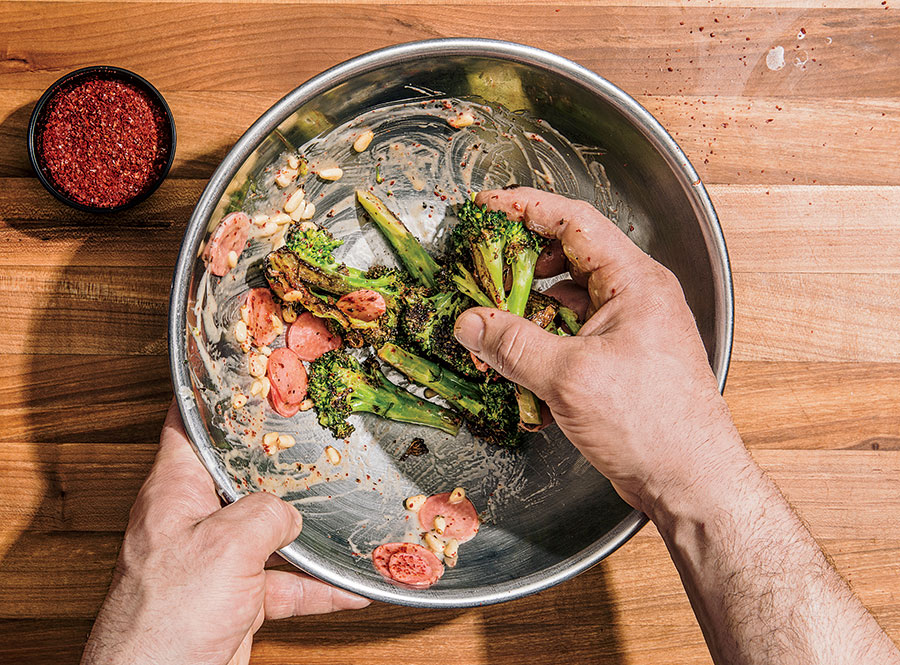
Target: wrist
x=702 y=476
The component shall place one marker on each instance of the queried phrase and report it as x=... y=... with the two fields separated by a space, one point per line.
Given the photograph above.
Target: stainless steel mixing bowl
x=561 y=517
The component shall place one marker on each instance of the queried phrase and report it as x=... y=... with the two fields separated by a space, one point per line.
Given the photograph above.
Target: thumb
x=517 y=348
x=260 y=522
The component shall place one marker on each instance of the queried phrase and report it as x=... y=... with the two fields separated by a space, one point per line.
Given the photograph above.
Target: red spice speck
x=103 y=142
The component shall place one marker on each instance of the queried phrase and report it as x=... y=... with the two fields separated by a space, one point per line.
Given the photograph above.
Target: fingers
x=517 y=348
x=178 y=489
x=591 y=242
x=261 y=523
x=294 y=594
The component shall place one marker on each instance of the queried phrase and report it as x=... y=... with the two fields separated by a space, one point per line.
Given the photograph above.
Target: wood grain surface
x=801 y=164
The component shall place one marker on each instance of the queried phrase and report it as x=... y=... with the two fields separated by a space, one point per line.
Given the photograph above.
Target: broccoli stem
x=394 y=403
x=523 y=276
x=529 y=406
x=487 y=256
x=466 y=283
x=570 y=318
x=418 y=262
x=458 y=391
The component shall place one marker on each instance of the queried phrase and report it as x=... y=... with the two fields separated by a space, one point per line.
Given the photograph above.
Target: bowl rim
x=111 y=72
x=643 y=121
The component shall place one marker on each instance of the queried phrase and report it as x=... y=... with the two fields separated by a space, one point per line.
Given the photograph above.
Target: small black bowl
x=106 y=72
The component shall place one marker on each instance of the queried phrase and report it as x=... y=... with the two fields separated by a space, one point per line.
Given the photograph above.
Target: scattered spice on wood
x=103 y=142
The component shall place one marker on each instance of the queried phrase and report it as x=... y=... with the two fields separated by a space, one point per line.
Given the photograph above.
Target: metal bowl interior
x=555 y=516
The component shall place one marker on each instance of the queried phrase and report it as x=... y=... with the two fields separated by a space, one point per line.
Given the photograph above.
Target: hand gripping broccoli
x=490 y=241
x=339 y=385
x=488 y=407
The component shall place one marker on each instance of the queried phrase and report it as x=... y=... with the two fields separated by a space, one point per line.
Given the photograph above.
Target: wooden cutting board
x=801 y=163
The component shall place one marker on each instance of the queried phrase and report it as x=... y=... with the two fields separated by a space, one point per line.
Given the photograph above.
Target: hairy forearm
x=761 y=588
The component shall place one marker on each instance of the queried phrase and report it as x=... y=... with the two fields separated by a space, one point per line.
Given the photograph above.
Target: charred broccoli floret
x=479 y=240
x=427 y=324
x=308 y=257
x=489 y=407
x=339 y=385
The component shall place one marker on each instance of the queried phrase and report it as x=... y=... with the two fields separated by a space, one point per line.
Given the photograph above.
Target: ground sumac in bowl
x=102 y=141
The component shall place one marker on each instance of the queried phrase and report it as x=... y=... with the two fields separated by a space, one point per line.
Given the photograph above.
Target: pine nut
x=308 y=226
x=363 y=140
x=278 y=239
x=288 y=314
x=265 y=350
x=293 y=161
x=270 y=439
x=245 y=313
x=451 y=548
x=256 y=387
x=269 y=228
x=440 y=524
x=292 y=296
x=232 y=259
x=285 y=178
x=238 y=400
x=240 y=332
x=260 y=219
x=280 y=218
x=246 y=345
x=415 y=503
x=266 y=386
x=434 y=543
x=285 y=441
x=457 y=495
x=308 y=210
x=306 y=404
x=332 y=454
x=463 y=119
x=277 y=324
x=331 y=173
x=294 y=200
x=258 y=364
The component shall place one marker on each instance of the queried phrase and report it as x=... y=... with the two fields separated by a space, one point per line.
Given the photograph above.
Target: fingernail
x=469 y=331
x=298 y=519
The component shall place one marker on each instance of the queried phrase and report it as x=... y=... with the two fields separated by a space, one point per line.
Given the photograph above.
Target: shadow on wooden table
x=576 y=620
x=85 y=390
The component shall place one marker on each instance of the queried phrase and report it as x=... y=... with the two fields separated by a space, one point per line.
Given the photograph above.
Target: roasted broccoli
x=418 y=262
x=308 y=257
x=339 y=385
x=426 y=323
x=489 y=241
x=305 y=272
x=479 y=240
x=488 y=407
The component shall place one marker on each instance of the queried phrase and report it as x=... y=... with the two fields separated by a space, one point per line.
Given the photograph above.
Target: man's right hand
x=633 y=390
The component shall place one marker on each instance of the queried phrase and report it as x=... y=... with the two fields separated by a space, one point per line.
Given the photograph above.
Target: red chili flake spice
x=103 y=142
